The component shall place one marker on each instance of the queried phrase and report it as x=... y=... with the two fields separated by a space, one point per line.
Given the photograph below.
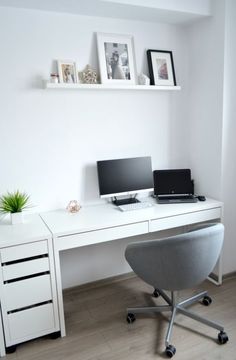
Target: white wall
x=211 y=113
x=50 y=141
x=229 y=144
x=205 y=101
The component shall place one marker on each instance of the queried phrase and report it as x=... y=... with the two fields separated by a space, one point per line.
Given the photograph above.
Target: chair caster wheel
x=206 y=300
x=223 y=338
x=170 y=351
x=130 y=318
x=156 y=293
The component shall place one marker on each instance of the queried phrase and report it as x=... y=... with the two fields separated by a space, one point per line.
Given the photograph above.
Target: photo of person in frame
x=68 y=73
x=117 y=61
x=162 y=69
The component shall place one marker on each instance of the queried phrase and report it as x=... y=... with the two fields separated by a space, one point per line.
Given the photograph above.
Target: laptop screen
x=172 y=182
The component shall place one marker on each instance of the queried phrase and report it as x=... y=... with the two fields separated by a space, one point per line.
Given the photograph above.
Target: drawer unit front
x=184 y=219
x=28 y=324
x=25 y=268
x=18 y=252
x=27 y=292
x=97 y=236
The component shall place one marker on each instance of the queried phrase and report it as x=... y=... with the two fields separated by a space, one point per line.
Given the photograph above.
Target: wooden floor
x=97 y=329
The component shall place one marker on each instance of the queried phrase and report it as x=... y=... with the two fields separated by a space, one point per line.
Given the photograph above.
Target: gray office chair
x=177 y=263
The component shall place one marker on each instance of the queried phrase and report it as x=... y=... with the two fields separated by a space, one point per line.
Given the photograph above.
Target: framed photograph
x=67 y=71
x=116 y=59
x=161 y=67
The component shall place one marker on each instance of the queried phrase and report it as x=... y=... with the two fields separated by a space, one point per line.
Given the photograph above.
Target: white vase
x=143 y=79
x=16 y=218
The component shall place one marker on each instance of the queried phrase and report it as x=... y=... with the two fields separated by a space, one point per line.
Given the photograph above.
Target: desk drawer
x=30 y=323
x=98 y=236
x=27 y=292
x=184 y=219
x=23 y=251
x=25 y=268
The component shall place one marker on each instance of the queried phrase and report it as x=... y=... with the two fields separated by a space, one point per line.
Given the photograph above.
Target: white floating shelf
x=49 y=85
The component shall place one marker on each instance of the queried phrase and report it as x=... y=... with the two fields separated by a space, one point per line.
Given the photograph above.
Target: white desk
x=101 y=223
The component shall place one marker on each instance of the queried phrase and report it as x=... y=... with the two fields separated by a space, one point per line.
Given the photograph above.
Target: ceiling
x=168 y=11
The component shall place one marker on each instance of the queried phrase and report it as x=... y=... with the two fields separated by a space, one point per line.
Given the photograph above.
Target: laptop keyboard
x=176 y=199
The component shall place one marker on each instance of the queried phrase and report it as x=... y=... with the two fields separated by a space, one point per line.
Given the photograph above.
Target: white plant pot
x=16 y=218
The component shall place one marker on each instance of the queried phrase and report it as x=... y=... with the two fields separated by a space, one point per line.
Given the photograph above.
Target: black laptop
x=173 y=186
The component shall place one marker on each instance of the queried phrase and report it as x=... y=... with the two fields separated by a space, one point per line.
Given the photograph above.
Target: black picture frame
x=161 y=67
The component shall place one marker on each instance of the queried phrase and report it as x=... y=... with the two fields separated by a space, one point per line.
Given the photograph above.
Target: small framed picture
x=161 y=67
x=67 y=71
x=116 y=59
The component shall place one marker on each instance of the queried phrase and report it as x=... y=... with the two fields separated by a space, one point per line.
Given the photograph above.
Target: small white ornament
x=143 y=79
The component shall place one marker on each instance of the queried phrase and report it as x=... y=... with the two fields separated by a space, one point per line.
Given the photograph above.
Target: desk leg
x=219 y=277
x=59 y=293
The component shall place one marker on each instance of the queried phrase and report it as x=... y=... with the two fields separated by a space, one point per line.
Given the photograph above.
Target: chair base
x=174 y=307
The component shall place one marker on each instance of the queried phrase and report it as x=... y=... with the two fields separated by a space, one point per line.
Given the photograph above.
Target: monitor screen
x=124 y=176
x=172 y=182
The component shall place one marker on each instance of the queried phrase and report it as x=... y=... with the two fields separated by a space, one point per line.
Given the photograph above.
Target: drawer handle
x=26 y=277
x=29 y=307
x=24 y=259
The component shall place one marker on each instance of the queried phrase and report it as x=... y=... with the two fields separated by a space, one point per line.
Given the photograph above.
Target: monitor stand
x=130 y=200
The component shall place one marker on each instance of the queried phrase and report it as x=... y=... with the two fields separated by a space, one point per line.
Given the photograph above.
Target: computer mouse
x=201 y=198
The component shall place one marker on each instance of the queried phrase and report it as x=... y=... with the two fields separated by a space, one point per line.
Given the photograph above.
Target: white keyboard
x=135 y=206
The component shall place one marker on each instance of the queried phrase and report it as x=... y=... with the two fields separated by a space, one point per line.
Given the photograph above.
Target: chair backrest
x=177 y=262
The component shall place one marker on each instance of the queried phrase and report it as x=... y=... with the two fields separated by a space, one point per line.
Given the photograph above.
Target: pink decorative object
x=73 y=206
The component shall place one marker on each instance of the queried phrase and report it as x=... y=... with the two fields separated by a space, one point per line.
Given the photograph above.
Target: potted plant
x=14 y=203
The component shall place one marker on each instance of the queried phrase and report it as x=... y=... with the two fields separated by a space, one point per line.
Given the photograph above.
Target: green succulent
x=14 y=202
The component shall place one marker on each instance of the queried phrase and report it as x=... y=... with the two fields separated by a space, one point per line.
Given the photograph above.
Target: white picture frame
x=67 y=71
x=116 y=59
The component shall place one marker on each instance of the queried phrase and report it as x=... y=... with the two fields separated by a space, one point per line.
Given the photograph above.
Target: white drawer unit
x=28 y=292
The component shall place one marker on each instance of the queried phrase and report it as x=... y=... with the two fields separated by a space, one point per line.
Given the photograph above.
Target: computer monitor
x=124 y=177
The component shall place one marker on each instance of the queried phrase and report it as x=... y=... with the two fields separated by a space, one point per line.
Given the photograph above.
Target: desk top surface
x=90 y=218
x=32 y=229
x=107 y=215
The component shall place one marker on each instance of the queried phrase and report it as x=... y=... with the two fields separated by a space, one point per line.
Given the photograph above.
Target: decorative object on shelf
x=14 y=203
x=88 y=76
x=143 y=79
x=67 y=71
x=54 y=78
x=73 y=206
x=116 y=59
x=161 y=67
